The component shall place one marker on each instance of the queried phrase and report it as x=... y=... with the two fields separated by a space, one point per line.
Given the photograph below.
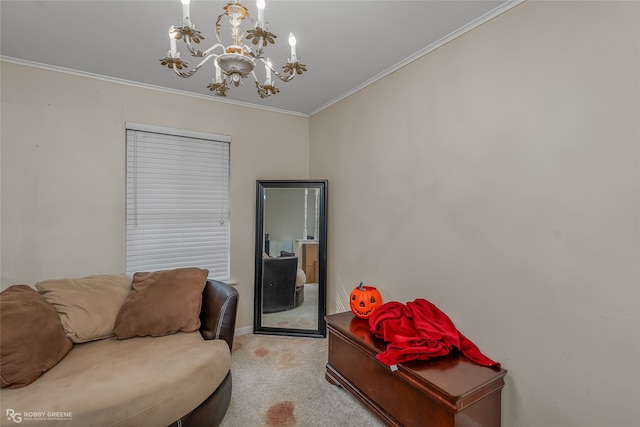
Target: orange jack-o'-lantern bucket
x=364 y=300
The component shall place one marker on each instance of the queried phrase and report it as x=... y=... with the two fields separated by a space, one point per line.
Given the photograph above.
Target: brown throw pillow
x=32 y=339
x=87 y=305
x=162 y=303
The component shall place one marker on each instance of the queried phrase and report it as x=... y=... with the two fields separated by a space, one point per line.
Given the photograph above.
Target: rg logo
x=16 y=417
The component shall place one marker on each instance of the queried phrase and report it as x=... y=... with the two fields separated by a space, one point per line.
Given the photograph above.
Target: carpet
x=278 y=381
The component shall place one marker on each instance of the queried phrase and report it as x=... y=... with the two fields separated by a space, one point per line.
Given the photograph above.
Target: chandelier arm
x=258 y=54
x=195 y=69
x=218 y=26
x=279 y=75
x=201 y=54
x=284 y=78
x=194 y=52
x=212 y=48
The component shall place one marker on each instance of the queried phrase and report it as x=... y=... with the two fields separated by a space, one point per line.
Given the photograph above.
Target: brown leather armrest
x=218 y=313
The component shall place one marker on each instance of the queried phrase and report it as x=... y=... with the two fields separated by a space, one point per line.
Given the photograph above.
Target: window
x=177 y=200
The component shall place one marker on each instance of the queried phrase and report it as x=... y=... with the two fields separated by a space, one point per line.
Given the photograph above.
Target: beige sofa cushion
x=137 y=382
x=88 y=305
x=32 y=339
x=162 y=303
x=301 y=278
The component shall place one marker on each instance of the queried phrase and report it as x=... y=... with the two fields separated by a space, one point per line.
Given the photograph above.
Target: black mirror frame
x=261 y=186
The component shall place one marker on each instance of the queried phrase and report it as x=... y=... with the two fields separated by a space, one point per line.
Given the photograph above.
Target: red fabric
x=418 y=330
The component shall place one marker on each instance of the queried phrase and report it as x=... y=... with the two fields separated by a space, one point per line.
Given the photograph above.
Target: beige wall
x=284 y=214
x=63 y=170
x=499 y=178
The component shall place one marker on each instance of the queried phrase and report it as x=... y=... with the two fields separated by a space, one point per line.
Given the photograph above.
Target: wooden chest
x=447 y=391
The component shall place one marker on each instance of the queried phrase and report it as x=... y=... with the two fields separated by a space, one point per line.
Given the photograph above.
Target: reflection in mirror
x=290 y=285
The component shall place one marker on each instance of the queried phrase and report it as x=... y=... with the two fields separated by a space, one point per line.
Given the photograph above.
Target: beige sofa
x=150 y=361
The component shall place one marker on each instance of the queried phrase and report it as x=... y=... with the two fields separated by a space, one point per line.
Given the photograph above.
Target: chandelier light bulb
x=185 y=8
x=267 y=69
x=292 y=43
x=260 y=5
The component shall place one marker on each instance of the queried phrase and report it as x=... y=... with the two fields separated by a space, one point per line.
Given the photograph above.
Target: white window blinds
x=177 y=202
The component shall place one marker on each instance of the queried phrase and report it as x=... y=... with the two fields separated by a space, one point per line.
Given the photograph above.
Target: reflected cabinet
x=290 y=257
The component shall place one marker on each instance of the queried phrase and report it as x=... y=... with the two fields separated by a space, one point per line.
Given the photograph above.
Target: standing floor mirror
x=291 y=258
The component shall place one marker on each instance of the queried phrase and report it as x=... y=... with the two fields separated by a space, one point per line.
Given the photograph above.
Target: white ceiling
x=345 y=44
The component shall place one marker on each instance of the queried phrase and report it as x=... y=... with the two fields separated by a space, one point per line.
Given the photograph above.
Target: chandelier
x=236 y=61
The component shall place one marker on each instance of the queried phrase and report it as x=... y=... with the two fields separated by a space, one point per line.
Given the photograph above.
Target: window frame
x=187 y=134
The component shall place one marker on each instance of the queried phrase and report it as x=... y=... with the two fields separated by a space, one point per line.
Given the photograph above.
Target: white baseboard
x=244 y=331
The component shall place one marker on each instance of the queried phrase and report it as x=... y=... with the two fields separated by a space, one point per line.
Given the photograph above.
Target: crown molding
x=63 y=70
x=433 y=46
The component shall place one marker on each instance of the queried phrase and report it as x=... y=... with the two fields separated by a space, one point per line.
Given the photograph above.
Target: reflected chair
x=279 y=284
